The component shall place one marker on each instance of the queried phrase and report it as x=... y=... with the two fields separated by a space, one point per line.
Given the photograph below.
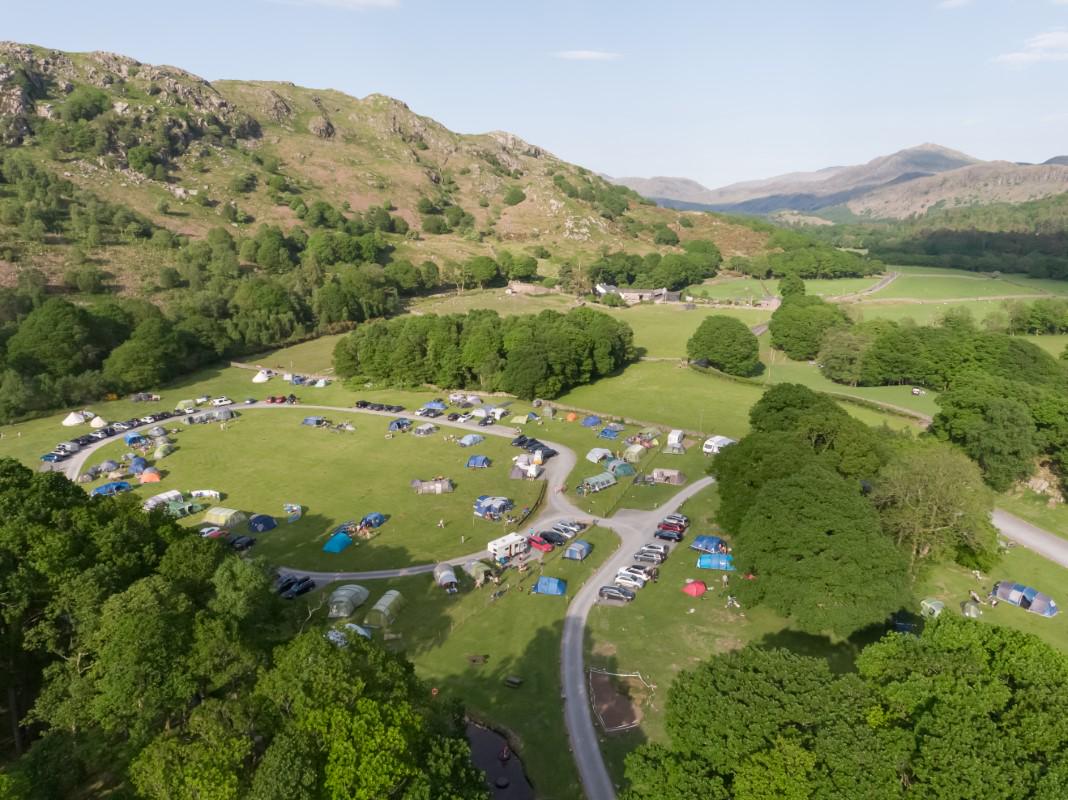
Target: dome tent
x=695 y=588
x=346 y=599
x=261 y=523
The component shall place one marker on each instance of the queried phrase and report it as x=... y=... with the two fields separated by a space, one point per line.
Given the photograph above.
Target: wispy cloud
x=586 y=55
x=1048 y=46
x=352 y=5
x=954 y=3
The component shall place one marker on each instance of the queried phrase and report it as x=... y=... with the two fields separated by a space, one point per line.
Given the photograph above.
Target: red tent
x=695 y=588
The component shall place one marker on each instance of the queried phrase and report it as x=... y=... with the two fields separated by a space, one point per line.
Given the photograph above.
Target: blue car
x=52 y=458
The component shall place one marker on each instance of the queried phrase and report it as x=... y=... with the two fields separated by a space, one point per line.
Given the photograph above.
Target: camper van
x=508 y=546
x=713 y=444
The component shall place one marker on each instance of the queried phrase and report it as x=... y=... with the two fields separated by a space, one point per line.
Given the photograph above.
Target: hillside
x=904 y=184
x=162 y=137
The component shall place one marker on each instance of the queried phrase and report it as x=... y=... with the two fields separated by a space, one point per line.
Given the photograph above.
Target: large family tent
x=150 y=475
x=670 y=476
x=224 y=517
x=400 y=424
x=138 y=465
x=293 y=511
x=553 y=586
x=373 y=520
x=108 y=489
x=478 y=462
x=708 y=544
x=156 y=431
x=313 y=422
x=261 y=523
x=578 y=550
x=179 y=509
x=98 y=423
x=634 y=453
x=619 y=468
x=445 y=578
x=206 y=494
x=1026 y=598
x=338 y=542
x=695 y=588
x=521 y=419
x=74 y=418
x=436 y=486
x=598 y=483
x=426 y=429
x=598 y=454
x=491 y=507
x=471 y=439
x=384 y=612
x=478 y=571
x=223 y=414
x=162 y=499
x=344 y=600
x=723 y=561
x=591 y=421
x=132 y=438
x=261 y=377
x=107 y=466
x=435 y=405
x=162 y=451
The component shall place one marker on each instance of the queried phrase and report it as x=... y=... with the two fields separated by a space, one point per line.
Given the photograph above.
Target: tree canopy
x=727 y=344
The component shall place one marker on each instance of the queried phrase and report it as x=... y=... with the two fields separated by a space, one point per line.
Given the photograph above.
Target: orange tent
x=150 y=475
x=572 y=416
x=695 y=588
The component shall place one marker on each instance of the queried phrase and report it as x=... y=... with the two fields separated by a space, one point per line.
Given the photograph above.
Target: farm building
x=445 y=578
x=508 y=546
x=598 y=454
x=384 y=612
x=598 y=483
x=344 y=600
x=223 y=517
x=578 y=550
x=436 y=486
x=670 y=476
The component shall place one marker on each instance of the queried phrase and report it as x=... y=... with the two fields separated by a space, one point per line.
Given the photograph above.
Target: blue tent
x=723 y=561
x=578 y=550
x=547 y=585
x=491 y=507
x=608 y=433
x=1026 y=597
x=400 y=424
x=338 y=542
x=262 y=523
x=478 y=462
x=373 y=520
x=133 y=437
x=436 y=405
x=138 y=465
x=313 y=421
x=471 y=439
x=708 y=544
x=591 y=422
x=108 y=489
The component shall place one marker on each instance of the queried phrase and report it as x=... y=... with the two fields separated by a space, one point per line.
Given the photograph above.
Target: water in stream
x=506 y=779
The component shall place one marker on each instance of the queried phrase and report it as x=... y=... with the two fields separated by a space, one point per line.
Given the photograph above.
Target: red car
x=213 y=532
x=539 y=544
x=672 y=525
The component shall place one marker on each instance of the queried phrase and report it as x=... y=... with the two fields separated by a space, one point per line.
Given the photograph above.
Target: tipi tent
x=74 y=418
x=384 y=612
x=223 y=517
x=344 y=600
x=98 y=422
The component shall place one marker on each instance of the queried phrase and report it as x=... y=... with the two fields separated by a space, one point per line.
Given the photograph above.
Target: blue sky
x=713 y=90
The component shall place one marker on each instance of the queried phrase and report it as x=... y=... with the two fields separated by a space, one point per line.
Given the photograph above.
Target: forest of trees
x=153 y=663
x=530 y=355
x=796 y=253
x=699 y=260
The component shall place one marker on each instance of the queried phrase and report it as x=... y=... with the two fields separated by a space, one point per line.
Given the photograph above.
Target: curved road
x=633 y=528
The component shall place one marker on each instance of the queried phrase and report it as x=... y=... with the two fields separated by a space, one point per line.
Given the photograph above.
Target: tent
x=445 y=578
x=224 y=517
x=373 y=520
x=619 y=468
x=133 y=437
x=150 y=475
x=547 y=585
x=344 y=600
x=436 y=486
x=591 y=421
x=338 y=542
x=98 y=422
x=261 y=377
x=478 y=571
x=138 y=465
x=261 y=523
x=107 y=466
x=695 y=588
x=670 y=476
x=435 y=405
x=185 y=405
x=648 y=433
x=571 y=416
x=723 y=561
x=162 y=498
x=108 y=489
x=491 y=507
x=1026 y=598
x=614 y=426
x=314 y=422
x=400 y=424
x=471 y=439
x=930 y=607
x=971 y=609
x=608 y=433
x=708 y=544
x=178 y=509
x=634 y=453
x=525 y=472
x=425 y=429
x=597 y=454
x=293 y=511
x=74 y=418
x=223 y=414
x=519 y=419
x=478 y=462
x=156 y=431
x=210 y=494
x=578 y=550
x=162 y=451
x=598 y=483
x=384 y=612
x=480 y=413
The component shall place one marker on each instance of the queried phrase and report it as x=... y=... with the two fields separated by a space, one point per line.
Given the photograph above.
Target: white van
x=222 y=401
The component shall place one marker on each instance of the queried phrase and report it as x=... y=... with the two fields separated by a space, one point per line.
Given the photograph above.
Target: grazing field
x=662 y=331
x=467 y=644
x=921 y=313
x=267 y=458
x=497 y=299
x=1054 y=344
x=923 y=286
x=315 y=356
x=730 y=289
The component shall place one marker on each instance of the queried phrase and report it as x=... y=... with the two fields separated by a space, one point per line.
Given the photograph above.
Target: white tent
x=74 y=418
x=597 y=454
x=98 y=422
x=261 y=377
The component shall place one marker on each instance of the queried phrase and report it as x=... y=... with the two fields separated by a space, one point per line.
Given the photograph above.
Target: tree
x=819 y=556
x=435 y=225
x=663 y=235
x=481 y=270
x=800 y=323
x=727 y=344
x=841 y=356
x=56 y=338
x=791 y=285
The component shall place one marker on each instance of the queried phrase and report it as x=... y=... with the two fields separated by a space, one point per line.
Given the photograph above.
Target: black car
x=362 y=404
x=453 y=417
x=376 y=406
x=552 y=537
x=668 y=536
x=530 y=445
x=302 y=586
x=285 y=583
x=433 y=413
x=242 y=543
x=485 y=422
x=547 y=453
x=615 y=593
x=520 y=441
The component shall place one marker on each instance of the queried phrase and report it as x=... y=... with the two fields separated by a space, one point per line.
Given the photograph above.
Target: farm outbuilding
x=445 y=578
x=551 y=586
x=224 y=517
x=436 y=486
x=344 y=600
x=384 y=612
x=598 y=454
x=578 y=550
x=597 y=483
x=670 y=476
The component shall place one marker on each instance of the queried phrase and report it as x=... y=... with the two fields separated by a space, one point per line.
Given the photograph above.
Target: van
x=222 y=401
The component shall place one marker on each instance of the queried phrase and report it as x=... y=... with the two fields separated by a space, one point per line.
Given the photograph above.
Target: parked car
x=659 y=549
x=616 y=593
x=147 y=419
x=520 y=441
x=538 y=543
x=285 y=583
x=82 y=441
x=98 y=435
x=121 y=426
x=552 y=537
x=645 y=571
x=628 y=581
x=645 y=557
x=466 y=418
x=54 y=457
x=242 y=543
x=302 y=586
x=567 y=533
x=668 y=536
x=202 y=400
x=250 y=401
x=577 y=527
x=376 y=407
x=453 y=417
x=362 y=404
x=433 y=413
x=671 y=525
x=213 y=532
x=484 y=423
x=679 y=518
x=547 y=453
x=222 y=401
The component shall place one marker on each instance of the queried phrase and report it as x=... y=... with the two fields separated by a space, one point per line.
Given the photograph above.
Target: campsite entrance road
x=633 y=528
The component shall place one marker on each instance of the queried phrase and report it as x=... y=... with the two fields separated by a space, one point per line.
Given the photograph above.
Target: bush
x=87 y=280
x=726 y=344
x=514 y=196
x=434 y=224
x=662 y=234
x=243 y=183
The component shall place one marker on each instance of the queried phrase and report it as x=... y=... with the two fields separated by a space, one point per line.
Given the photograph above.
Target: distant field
x=921 y=313
x=1052 y=344
x=315 y=356
x=746 y=288
x=497 y=299
x=940 y=287
x=662 y=331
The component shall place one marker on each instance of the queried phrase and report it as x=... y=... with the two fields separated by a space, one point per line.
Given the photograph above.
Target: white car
x=222 y=401
x=629 y=580
x=465 y=418
x=202 y=400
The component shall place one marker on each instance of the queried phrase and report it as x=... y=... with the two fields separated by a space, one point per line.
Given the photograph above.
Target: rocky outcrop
x=321 y=127
x=275 y=107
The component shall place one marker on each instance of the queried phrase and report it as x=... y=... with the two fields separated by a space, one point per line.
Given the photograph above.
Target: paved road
x=1046 y=544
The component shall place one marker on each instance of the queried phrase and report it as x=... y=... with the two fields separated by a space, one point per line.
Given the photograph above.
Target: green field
x=941 y=287
x=497 y=299
x=1054 y=344
x=1035 y=509
x=730 y=289
x=662 y=331
x=315 y=356
x=921 y=313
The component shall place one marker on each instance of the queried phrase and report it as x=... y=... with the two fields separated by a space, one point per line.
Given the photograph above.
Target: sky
x=712 y=90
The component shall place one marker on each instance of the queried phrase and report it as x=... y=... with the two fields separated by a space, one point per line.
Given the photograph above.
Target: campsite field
x=316 y=356
x=267 y=458
x=468 y=643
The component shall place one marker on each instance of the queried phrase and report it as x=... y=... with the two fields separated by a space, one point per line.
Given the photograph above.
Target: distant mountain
x=899 y=185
